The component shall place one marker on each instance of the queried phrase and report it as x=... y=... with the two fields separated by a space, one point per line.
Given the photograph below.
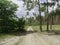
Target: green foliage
x=57 y=11
x=49 y=4
x=21 y=24
x=8 y=23
x=7 y=10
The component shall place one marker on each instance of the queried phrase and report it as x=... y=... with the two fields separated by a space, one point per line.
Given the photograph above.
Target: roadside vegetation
x=54 y=28
x=48 y=18
x=5 y=36
x=9 y=22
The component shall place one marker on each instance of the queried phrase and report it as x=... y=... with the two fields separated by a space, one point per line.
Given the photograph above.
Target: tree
x=40 y=16
x=7 y=10
x=20 y=24
x=52 y=13
x=47 y=5
x=31 y=4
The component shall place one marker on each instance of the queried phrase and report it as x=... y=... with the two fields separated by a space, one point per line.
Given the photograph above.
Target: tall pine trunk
x=47 y=17
x=51 y=22
x=52 y=15
x=40 y=16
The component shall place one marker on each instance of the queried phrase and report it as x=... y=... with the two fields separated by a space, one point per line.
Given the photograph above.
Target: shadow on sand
x=56 y=32
x=30 y=32
x=20 y=33
x=24 y=33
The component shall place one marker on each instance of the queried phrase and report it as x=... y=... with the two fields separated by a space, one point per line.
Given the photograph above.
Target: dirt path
x=9 y=41
x=30 y=29
x=40 y=39
x=33 y=38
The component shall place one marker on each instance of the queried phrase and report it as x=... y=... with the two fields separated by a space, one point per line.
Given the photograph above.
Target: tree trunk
x=47 y=17
x=47 y=25
x=51 y=22
x=40 y=16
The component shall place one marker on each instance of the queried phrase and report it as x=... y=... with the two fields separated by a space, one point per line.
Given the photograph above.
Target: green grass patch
x=4 y=36
x=26 y=27
x=54 y=27
x=36 y=28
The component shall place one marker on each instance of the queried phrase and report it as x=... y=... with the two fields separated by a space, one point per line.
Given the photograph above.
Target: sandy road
x=10 y=41
x=33 y=38
x=36 y=39
x=40 y=39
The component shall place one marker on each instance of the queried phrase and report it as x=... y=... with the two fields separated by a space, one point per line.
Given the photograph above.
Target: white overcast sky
x=21 y=10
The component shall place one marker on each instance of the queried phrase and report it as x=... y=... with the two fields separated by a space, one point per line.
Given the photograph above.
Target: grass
x=4 y=36
x=54 y=27
x=36 y=28
x=26 y=27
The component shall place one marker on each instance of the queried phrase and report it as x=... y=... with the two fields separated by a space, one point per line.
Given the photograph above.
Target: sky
x=21 y=11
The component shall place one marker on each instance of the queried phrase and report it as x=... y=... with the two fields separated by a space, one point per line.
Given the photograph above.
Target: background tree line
x=49 y=18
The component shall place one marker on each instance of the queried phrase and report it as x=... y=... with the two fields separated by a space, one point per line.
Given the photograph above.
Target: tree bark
x=47 y=17
x=40 y=16
x=51 y=22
